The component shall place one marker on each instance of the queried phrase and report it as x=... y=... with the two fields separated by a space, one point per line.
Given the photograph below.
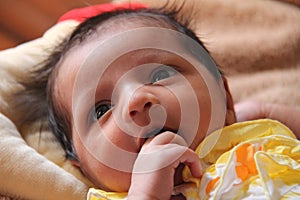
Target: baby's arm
x=154 y=169
x=250 y=110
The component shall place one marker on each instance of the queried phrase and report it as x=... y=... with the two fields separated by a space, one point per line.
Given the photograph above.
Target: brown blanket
x=256 y=43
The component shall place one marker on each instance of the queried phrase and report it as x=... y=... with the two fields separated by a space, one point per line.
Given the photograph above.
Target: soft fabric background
x=256 y=43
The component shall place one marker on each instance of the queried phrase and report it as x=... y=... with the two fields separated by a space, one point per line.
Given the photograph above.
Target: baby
x=131 y=95
x=118 y=85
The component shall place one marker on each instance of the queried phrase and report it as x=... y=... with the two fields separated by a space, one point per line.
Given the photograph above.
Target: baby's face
x=117 y=99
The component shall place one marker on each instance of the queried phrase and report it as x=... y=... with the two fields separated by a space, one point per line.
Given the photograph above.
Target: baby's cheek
x=93 y=158
x=104 y=177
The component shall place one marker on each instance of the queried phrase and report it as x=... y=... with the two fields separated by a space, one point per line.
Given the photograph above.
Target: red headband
x=82 y=14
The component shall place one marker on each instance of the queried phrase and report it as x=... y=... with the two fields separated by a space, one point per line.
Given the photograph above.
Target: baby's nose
x=139 y=105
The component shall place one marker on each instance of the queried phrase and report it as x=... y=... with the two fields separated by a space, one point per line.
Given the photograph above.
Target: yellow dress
x=249 y=160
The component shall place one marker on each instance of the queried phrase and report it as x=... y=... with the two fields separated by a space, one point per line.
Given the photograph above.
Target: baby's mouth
x=151 y=134
x=158 y=131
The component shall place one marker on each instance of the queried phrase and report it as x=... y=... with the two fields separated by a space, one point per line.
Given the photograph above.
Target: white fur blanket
x=257 y=43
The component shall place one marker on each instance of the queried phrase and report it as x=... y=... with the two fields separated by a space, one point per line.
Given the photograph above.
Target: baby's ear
x=230 y=112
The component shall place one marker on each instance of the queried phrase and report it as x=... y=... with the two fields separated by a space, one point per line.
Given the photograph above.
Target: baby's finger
x=191 y=159
x=155 y=157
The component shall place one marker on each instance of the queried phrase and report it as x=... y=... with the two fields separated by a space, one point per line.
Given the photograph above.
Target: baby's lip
x=158 y=131
x=154 y=133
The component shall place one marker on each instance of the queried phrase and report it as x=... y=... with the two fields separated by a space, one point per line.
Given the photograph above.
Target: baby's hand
x=154 y=168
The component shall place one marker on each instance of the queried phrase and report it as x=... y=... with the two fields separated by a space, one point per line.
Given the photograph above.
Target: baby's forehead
x=118 y=24
x=119 y=34
x=114 y=39
x=112 y=30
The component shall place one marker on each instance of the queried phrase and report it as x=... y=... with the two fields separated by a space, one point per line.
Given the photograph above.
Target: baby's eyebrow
x=152 y=55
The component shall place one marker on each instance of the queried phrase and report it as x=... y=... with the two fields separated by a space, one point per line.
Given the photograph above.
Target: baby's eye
x=161 y=73
x=101 y=109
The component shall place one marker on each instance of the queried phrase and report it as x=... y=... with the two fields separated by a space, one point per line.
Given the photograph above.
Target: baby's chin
x=113 y=181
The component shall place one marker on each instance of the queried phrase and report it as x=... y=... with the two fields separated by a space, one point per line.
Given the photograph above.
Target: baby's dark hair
x=38 y=90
